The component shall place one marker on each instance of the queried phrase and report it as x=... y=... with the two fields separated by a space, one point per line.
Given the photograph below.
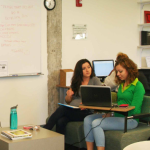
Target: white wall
x=112 y=27
x=30 y=93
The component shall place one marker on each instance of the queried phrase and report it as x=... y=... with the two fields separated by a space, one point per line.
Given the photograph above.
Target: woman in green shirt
x=131 y=91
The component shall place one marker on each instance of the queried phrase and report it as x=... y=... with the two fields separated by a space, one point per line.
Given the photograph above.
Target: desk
x=124 y=111
x=143 y=145
x=62 y=93
x=41 y=140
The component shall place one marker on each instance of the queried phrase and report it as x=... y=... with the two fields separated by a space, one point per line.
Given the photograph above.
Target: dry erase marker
x=14 y=75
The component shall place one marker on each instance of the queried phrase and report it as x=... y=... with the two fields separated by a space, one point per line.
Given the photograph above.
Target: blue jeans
x=101 y=124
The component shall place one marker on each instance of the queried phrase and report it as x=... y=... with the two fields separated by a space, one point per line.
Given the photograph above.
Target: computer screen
x=102 y=68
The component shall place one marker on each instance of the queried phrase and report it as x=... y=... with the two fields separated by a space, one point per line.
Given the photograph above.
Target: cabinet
x=143 y=25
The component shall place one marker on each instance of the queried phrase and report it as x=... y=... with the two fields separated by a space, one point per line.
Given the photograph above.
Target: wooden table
x=123 y=111
x=42 y=139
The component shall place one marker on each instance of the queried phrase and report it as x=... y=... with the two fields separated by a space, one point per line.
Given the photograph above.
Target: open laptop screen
x=93 y=95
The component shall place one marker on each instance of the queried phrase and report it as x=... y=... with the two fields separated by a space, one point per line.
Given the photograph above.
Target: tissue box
x=65 y=77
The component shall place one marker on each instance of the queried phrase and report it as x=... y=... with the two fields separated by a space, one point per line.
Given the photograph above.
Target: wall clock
x=49 y=4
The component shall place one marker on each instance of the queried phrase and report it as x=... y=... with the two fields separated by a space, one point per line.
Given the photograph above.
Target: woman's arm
x=137 y=99
x=68 y=97
x=110 y=80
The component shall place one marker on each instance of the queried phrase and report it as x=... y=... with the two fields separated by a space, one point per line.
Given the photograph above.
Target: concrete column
x=54 y=51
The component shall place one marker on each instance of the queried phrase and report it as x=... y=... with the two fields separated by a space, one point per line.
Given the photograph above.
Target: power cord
x=93 y=127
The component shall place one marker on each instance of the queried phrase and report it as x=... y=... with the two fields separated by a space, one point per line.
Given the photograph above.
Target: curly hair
x=121 y=55
x=131 y=68
x=78 y=75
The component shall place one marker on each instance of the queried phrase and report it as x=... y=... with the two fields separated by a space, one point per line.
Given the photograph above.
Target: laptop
x=93 y=95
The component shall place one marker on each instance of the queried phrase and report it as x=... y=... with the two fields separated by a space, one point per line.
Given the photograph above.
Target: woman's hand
x=68 y=97
x=82 y=108
x=70 y=93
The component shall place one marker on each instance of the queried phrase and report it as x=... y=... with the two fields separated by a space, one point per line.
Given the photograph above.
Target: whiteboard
x=20 y=35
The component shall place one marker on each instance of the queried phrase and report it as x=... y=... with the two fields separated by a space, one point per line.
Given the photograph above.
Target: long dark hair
x=78 y=75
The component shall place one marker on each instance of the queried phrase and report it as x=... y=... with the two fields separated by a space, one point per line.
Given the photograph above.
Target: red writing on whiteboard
x=5 y=36
x=7 y=6
x=16 y=7
x=6 y=29
x=9 y=33
x=8 y=40
x=15 y=12
x=17 y=25
x=15 y=41
x=5 y=45
x=12 y=18
x=26 y=52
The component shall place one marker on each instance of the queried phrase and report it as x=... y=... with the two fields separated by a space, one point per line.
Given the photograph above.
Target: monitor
x=102 y=68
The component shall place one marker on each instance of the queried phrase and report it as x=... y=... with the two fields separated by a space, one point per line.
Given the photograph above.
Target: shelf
x=144 y=46
x=144 y=24
x=21 y=75
x=145 y=68
x=144 y=2
x=63 y=86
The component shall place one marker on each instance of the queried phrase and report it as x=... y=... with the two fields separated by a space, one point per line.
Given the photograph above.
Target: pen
x=14 y=75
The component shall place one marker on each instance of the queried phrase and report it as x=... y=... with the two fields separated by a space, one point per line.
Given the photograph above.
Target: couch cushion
x=146 y=108
x=115 y=140
x=74 y=133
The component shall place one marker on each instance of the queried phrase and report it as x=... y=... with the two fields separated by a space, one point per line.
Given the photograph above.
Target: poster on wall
x=79 y=31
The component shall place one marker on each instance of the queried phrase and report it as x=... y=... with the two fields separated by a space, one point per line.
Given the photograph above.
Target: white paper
x=68 y=78
x=79 y=31
x=148 y=61
x=3 y=68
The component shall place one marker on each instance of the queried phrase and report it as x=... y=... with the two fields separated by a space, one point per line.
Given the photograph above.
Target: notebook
x=92 y=95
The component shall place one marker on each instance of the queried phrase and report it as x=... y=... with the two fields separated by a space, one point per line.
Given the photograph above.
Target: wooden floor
x=69 y=147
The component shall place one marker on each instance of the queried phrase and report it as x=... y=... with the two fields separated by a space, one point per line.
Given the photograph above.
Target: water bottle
x=13 y=118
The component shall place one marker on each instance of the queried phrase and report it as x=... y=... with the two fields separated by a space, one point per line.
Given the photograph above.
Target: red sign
x=79 y=3
x=146 y=16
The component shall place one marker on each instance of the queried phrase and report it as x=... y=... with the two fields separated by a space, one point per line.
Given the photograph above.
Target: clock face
x=49 y=4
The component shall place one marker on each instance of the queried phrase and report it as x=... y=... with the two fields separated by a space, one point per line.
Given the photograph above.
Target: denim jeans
x=94 y=126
